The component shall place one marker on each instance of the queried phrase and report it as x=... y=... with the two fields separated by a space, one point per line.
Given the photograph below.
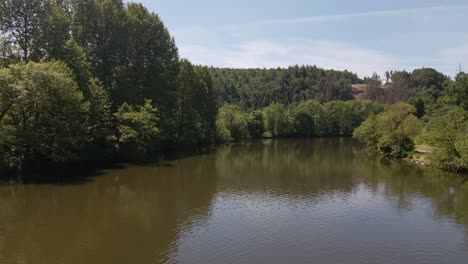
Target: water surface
x=272 y=201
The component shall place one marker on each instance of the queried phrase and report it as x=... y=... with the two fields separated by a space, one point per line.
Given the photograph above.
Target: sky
x=362 y=36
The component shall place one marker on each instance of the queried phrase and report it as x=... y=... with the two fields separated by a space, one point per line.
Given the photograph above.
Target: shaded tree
x=22 y=19
x=138 y=131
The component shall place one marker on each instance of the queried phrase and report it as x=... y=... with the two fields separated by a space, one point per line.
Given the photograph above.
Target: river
x=270 y=201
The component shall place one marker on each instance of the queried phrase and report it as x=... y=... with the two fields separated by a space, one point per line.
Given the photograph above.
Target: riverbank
x=421 y=155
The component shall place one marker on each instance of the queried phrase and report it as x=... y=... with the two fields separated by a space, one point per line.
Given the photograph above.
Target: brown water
x=285 y=201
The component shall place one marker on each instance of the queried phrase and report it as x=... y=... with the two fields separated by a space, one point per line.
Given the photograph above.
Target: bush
x=392 y=147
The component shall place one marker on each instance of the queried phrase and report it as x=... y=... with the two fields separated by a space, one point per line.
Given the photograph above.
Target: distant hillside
x=258 y=88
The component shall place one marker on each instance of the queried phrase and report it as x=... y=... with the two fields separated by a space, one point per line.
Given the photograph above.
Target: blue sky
x=363 y=36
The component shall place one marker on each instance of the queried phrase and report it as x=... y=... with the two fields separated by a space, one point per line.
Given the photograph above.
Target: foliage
x=43 y=114
x=278 y=121
x=255 y=124
x=138 y=131
x=308 y=119
x=369 y=131
x=197 y=105
x=448 y=135
x=253 y=89
x=22 y=19
x=457 y=92
x=392 y=131
x=76 y=59
x=100 y=145
x=231 y=124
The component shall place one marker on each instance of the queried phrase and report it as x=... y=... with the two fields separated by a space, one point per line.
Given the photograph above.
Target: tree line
x=101 y=80
x=307 y=119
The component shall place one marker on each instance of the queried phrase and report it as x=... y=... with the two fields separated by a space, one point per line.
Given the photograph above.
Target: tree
x=256 y=124
x=76 y=59
x=398 y=125
x=207 y=105
x=54 y=30
x=189 y=119
x=231 y=124
x=132 y=53
x=392 y=131
x=138 y=131
x=22 y=18
x=43 y=114
x=398 y=90
x=457 y=92
x=448 y=134
x=8 y=52
x=427 y=85
x=369 y=132
x=277 y=120
x=100 y=145
x=97 y=26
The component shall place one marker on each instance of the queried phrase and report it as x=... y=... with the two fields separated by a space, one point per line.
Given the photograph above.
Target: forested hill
x=258 y=88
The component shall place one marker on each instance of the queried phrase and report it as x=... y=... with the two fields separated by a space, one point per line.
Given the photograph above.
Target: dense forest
x=101 y=80
x=253 y=89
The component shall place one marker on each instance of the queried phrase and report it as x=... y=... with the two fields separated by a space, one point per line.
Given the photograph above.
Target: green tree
x=54 y=29
x=448 y=134
x=138 y=131
x=306 y=116
x=21 y=19
x=43 y=114
x=189 y=120
x=132 y=53
x=369 y=132
x=398 y=125
x=457 y=92
x=392 y=131
x=75 y=58
x=278 y=122
x=8 y=52
x=231 y=124
x=97 y=26
x=398 y=88
x=206 y=102
x=101 y=122
x=256 y=124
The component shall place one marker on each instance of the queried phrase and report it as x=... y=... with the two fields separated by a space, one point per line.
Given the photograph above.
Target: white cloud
x=271 y=54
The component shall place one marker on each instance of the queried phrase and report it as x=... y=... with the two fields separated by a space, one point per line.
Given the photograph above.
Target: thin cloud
x=382 y=13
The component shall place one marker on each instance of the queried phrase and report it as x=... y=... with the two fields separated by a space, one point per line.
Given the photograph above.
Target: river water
x=271 y=201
